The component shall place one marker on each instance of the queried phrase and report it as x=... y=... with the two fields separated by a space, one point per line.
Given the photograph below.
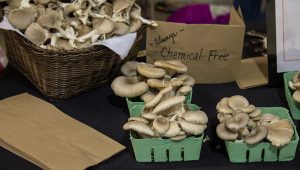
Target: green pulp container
x=164 y=150
x=264 y=151
x=294 y=106
x=131 y=102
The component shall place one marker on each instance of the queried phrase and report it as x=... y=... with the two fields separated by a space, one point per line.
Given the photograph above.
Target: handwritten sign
x=211 y=52
x=287 y=35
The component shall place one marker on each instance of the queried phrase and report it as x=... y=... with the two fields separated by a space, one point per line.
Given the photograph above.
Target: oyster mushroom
x=37 y=34
x=129 y=68
x=22 y=18
x=159 y=84
x=237 y=102
x=173 y=131
x=139 y=119
x=280 y=132
x=184 y=90
x=223 y=106
x=149 y=71
x=119 y=8
x=135 y=25
x=171 y=66
x=161 y=125
x=168 y=103
x=14 y=3
x=139 y=127
x=148 y=96
x=256 y=135
x=155 y=100
x=187 y=79
x=128 y=87
x=147 y=114
x=120 y=28
x=136 y=13
x=196 y=117
x=268 y=118
x=226 y=134
x=191 y=128
x=296 y=96
x=101 y=26
x=237 y=122
x=179 y=137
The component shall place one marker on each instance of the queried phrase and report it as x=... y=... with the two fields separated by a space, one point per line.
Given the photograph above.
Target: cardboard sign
x=287 y=35
x=211 y=52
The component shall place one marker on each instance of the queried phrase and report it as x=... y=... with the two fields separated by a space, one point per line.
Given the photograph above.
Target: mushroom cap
x=226 y=134
x=296 y=96
x=120 y=28
x=106 y=9
x=129 y=68
x=49 y=19
x=296 y=77
x=223 y=107
x=268 y=118
x=161 y=125
x=148 y=96
x=256 y=135
x=248 y=109
x=14 y=3
x=168 y=103
x=120 y=5
x=148 y=115
x=291 y=85
x=139 y=127
x=129 y=87
x=174 y=65
x=280 y=132
x=179 y=137
x=139 y=119
x=244 y=132
x=237 y=102
x=158 y=97
x=36 y=34
x=222 y=117
x=103 y=25
x=187 y=79
x=21 y=18
x=237 y=122
x=159 y=84
x=184 y=90
x=196 y=117
x=135 y=25
x=256 y=113
x=149 y=71
x=191 y=128
x=173 y=131
x=63 y=44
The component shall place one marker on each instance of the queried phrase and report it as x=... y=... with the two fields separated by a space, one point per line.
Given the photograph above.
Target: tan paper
x=211 y=52
x=45 y=136
x=253 y=73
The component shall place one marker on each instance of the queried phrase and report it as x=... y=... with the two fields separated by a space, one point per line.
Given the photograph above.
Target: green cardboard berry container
x=264 y=151
x=165 y=150
x=131 y=102
x=294 y=106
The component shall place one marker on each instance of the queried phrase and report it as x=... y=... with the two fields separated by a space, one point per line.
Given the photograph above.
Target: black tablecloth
x=102 y=110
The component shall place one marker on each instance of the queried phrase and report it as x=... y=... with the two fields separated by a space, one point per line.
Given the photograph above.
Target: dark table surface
x=102 y=110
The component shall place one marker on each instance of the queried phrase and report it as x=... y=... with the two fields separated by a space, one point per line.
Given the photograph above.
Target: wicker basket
x=61 y=74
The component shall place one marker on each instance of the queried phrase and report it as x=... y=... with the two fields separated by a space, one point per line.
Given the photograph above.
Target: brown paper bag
x=211 y=52
x=40 y=133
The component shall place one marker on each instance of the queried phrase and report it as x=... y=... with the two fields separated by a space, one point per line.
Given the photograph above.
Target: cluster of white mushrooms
x=162 y=86
x=53 y=24
x=295 y=86
x=244 y=122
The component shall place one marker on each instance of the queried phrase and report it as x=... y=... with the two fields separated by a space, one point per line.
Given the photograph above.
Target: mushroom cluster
x=162 y=86
x=166 y=124
x=242 y=121
x=54 y=24
x=295 y=86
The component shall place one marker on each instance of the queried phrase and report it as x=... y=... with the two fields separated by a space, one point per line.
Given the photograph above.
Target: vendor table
x=102 y=110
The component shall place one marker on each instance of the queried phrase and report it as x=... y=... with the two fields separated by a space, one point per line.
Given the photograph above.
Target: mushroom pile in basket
x=54 y=24
x=295 y=86
x=240 y=121
x=162 y=86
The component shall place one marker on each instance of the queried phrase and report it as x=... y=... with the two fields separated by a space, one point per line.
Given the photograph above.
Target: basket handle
x=1 y=11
